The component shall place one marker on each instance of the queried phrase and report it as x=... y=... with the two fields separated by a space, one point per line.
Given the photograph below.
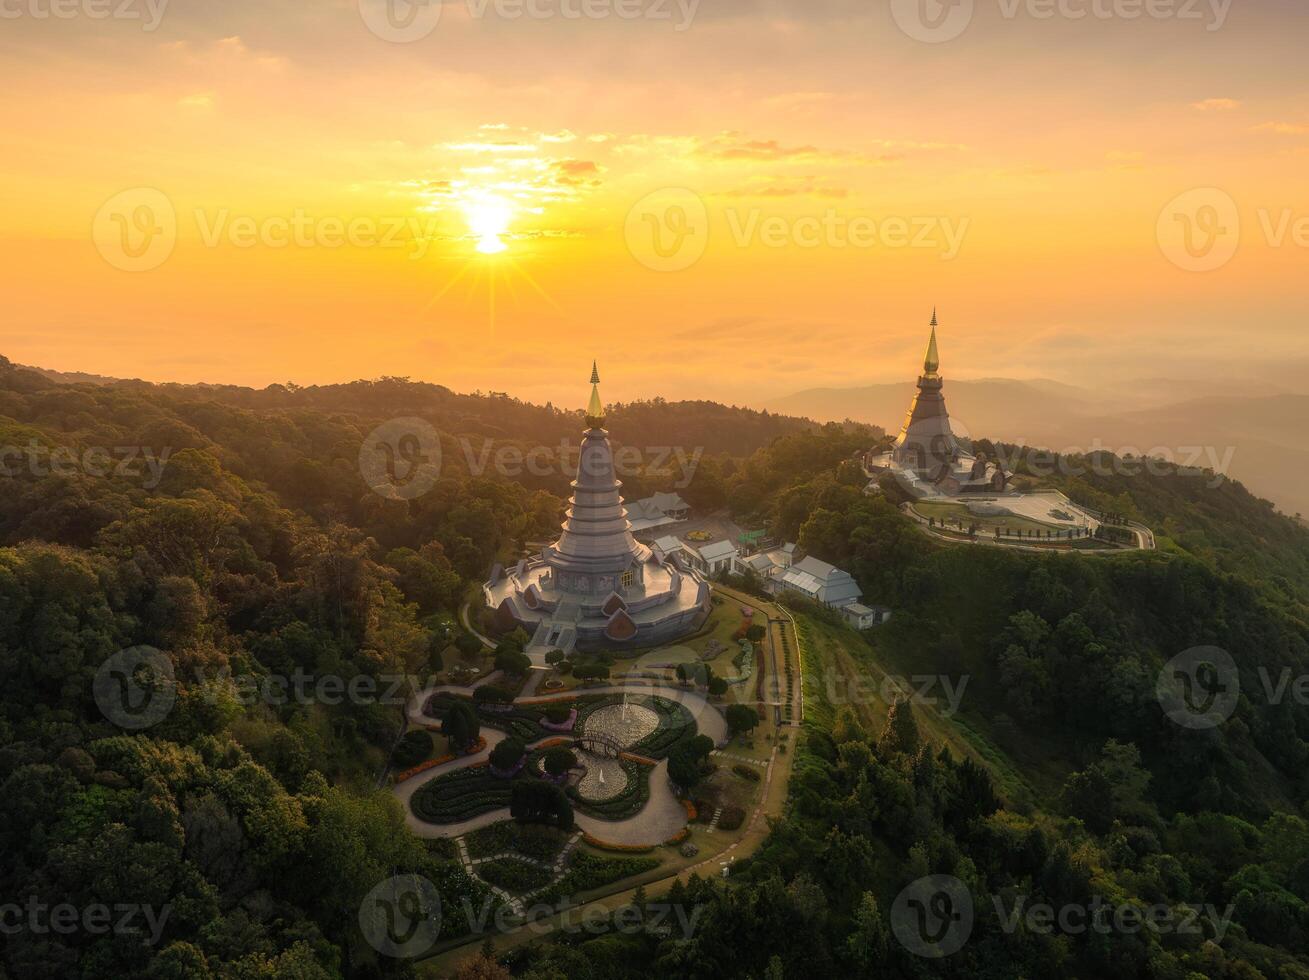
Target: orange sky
x=819 y=178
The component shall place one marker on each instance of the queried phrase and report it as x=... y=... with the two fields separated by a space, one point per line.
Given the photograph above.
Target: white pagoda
x=597 y=586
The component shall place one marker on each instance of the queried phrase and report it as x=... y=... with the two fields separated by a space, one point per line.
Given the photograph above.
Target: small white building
x=769 y=565
x=712 y=558
x=863 y=617
x=669 y=545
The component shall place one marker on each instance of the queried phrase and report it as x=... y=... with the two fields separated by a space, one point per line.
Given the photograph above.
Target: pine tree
x=901 y=732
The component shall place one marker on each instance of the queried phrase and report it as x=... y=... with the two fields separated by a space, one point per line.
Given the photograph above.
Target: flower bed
x=422 y=767
x=508 y=773
x=749 y=773
x=563 y=726
x=678 y=837
x=690 y=809
x=605 y=845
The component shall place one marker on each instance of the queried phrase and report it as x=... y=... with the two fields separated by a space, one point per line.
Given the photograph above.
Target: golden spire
x=933 y=361
x=595 y=412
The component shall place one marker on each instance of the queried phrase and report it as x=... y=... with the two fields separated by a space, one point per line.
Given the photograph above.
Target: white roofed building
x=821 y=582
x=712 y=558
x=659 y=510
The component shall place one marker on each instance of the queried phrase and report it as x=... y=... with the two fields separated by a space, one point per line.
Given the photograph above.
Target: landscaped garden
x=521 y=861
x=589 y=871
x=461 y=795
x=530 y=722
x=623 y=792
x=514 y=875
x=533 y=841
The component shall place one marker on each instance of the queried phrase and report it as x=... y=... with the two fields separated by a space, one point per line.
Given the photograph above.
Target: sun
x=488 y=218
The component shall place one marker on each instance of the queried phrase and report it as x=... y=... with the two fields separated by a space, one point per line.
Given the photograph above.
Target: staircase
x=559 y=632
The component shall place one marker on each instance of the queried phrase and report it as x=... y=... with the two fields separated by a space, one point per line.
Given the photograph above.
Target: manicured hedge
x=461 y=795
x=412 y=749
x=490 y=841
x=587 y=872
x=513 y=875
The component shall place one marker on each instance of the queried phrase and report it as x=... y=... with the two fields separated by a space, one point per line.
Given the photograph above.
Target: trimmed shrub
x=731 y=818
x=557 y=714
x=460 y=725
x=559 y=760
x=508 y=754
x=412 y=749
x=468 y=645
x=534 y=801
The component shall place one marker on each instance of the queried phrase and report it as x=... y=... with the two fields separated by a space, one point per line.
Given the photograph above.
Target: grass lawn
x=950 y=511
x=842 y=669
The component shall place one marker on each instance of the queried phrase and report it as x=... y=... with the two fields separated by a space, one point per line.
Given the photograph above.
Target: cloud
x=1216 y=105
x=504 y=146
x=784 y=186
x=577 y=173
x=563 y=136
x=1281 y=128
x=734 y=146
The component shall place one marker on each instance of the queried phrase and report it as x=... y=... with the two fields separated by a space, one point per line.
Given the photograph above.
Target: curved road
x=661 y=817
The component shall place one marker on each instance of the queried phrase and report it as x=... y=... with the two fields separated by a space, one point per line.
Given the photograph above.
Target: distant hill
x=704 y=425
x=1266 y=434
x=71 y=377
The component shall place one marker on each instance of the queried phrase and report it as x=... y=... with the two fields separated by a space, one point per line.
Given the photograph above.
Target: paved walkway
x=463 y=618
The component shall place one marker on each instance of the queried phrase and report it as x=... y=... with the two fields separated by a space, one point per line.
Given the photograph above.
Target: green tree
x=461 y=725
x=741 y=718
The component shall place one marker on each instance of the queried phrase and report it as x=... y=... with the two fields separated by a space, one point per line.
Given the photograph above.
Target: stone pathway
x=515 y=904
x=463 y=617
x=568 y=849
x=740 y=758
x=713 y=821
